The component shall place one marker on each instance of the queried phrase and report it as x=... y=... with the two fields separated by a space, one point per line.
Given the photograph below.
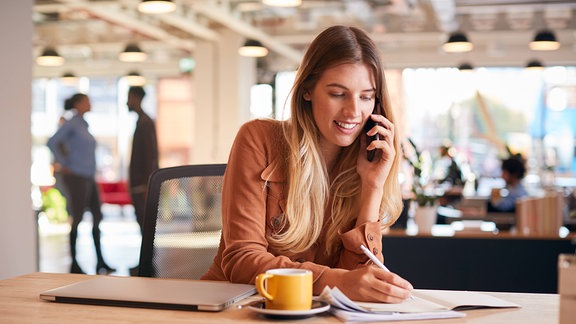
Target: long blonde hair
x=309 y=189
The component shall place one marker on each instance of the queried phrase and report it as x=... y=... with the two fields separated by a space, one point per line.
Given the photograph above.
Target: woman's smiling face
x=342 y=102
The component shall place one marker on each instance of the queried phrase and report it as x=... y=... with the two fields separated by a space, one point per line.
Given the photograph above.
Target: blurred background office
x=479 y=94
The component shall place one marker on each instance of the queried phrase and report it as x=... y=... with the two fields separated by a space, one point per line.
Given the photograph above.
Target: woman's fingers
x=386 y=131
x=376 y=285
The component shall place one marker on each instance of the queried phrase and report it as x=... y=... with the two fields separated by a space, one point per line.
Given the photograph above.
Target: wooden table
x=20 y=303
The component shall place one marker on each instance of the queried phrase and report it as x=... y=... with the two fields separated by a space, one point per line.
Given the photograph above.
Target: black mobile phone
x=368 y=126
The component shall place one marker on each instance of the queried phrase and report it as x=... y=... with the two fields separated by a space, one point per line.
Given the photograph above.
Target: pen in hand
x=375 y=260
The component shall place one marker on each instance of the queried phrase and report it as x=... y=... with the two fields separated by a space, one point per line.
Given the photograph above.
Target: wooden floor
x=120 y=239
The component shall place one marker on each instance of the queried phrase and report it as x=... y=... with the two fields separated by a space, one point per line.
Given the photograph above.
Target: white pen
x=376 y=261
x=373 y=257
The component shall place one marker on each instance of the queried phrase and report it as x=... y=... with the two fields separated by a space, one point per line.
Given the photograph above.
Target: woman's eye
x=337 y=94
x=366 y=97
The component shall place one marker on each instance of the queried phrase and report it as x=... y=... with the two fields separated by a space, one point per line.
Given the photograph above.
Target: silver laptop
x=151 y=293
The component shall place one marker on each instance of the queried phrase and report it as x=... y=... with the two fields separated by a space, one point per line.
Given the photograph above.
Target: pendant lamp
x=68 y=78
x=253 y=48
x=534 y=65
x=135 y=79
x=282 y=3
x=457 y=43
x=50 y=57
x=156 y=6
x=545 y=40
x=132 y=53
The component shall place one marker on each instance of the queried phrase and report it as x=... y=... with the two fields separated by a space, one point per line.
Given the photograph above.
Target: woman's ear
x=307 y=96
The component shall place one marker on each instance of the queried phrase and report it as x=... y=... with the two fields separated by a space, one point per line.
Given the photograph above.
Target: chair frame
x=145 y=268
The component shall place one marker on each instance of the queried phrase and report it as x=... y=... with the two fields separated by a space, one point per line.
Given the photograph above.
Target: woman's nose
x=352 y=108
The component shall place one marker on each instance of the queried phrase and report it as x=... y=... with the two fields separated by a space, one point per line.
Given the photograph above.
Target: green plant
x=54 y=205
x=422 y=195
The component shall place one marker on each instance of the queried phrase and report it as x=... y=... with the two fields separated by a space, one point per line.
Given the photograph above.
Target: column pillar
x=18 y=233
x=223 y=80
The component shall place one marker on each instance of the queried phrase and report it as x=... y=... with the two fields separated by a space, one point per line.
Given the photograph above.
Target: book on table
x=424 y=304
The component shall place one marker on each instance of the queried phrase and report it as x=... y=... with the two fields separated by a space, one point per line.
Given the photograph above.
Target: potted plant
x=422 y=193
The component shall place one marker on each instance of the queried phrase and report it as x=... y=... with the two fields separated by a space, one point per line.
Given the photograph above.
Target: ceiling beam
x=224 y=17
x=119 y=18
x=189 y=26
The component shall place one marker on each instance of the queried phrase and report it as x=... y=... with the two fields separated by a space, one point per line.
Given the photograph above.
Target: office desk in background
x=503 y=262
x=20 y=303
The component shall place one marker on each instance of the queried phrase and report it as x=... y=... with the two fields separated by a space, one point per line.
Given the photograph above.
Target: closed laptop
x=151 y=293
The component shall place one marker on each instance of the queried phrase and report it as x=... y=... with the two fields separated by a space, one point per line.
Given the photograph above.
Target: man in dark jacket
x=144 y=157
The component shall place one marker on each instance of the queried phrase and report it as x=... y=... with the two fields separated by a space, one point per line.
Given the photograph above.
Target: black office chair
x=182 y=221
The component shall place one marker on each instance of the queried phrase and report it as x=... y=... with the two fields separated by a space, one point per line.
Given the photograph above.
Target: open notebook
x=424 y=304
x=151 y=293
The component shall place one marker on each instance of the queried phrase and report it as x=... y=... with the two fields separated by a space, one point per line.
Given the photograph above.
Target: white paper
x=425 y=304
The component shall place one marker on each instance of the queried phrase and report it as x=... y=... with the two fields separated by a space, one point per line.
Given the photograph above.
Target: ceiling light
x=544 y=40
x=68 y=78
x=50 y=57
x=156 y=6
x=457 y=42
x=534 y=65
x=135 y=79
x=253 y=48
x=282 y=3
x=465 y=67
x=132 y=53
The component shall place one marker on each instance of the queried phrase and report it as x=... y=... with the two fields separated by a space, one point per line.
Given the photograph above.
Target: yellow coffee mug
x=286 y=289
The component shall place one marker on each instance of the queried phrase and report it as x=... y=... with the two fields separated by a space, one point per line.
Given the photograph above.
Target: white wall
x=18 y=238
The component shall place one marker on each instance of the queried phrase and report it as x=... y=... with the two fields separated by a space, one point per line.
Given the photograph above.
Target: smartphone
x=368 y=126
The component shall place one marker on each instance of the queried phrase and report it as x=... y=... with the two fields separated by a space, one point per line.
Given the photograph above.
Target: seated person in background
x=504 y=200
x=447 y=170
x=448 y=175
x=302 y=194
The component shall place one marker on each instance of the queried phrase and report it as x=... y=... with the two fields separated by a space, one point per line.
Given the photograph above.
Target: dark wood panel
x=480 y=264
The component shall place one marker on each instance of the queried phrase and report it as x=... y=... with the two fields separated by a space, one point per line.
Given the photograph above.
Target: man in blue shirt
x=504 y=200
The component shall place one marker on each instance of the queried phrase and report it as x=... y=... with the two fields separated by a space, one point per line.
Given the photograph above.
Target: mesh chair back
x=182 y=222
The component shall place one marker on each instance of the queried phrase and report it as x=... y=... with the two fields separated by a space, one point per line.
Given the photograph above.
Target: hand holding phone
x=368 y=126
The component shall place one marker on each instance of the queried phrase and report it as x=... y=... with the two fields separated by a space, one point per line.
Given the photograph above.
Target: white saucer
x=317 y=307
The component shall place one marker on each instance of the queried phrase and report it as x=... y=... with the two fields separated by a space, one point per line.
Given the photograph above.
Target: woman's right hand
x=372 y=284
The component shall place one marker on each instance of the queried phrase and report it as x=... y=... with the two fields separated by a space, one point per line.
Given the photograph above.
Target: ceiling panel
x=409 y=32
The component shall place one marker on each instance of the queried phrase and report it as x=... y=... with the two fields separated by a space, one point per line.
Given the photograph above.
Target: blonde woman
x=302 y=194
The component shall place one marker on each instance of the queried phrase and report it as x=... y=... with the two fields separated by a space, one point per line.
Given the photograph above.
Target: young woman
x=301 y=193
x=74 y=150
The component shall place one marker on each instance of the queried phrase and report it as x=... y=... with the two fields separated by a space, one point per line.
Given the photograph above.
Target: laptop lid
x=151 y=293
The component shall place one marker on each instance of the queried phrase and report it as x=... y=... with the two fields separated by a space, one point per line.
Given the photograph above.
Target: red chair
x=115 y=193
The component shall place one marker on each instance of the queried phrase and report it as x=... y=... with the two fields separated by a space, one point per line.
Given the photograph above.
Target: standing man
x=144 y=157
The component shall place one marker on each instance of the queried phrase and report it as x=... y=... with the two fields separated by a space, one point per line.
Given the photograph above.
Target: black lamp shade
x=132 y=48
x=545 y=36
x=465 y=67
x=457 y=38
x=534 y=65
x=68 y=75
x=49 y=51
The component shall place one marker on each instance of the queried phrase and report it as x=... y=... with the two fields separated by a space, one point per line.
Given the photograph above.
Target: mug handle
x=260 y=285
